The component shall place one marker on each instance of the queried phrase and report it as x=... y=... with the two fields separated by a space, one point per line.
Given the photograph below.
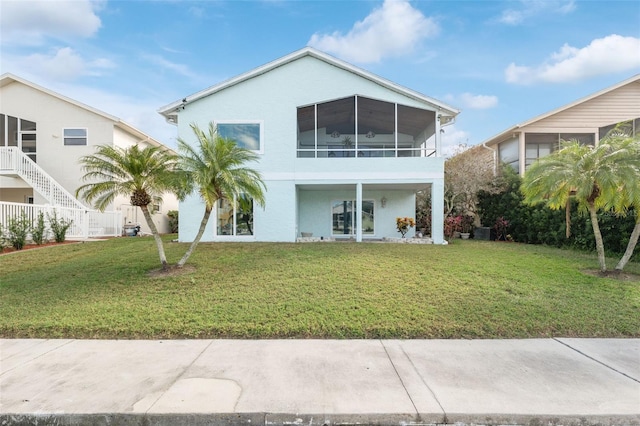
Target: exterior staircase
x=13 y=162
x=85 y=222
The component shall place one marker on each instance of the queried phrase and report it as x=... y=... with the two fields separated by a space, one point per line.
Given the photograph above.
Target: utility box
x=482 y=233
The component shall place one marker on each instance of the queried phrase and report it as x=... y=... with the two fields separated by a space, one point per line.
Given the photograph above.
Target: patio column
x=437 y=211
x=358 y=212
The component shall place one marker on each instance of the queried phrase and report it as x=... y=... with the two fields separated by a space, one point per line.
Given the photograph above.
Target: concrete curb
x=285 y=419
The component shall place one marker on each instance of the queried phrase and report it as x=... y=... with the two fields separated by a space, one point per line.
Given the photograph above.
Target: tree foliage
x=217 y=169
x=143 y=174
x=469 y=171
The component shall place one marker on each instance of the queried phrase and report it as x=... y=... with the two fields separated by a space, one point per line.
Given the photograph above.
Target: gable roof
x=500 y=136
x=7 y=78
x=170 y=111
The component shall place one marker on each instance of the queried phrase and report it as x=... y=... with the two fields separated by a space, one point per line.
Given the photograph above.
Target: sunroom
x=358 y=126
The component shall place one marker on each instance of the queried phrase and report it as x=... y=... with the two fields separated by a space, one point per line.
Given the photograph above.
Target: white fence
x=85 y=223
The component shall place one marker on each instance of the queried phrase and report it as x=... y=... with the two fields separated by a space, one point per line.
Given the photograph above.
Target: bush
x=173 y=221
x=540 y=225
x=38 y=233
x=17 y=231
x=59 y=227
x=451 y=226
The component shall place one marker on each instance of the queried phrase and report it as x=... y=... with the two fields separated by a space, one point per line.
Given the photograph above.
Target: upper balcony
x=366 y=128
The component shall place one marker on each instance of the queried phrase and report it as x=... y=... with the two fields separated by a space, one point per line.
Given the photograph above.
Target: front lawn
x=469 y=289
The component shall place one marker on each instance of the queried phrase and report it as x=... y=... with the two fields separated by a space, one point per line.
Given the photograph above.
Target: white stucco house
x=43 y=135
x=587 y=120
x=342 y=151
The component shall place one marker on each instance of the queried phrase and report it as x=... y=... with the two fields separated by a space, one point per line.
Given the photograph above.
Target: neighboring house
x=588 y=120
x=336 y=143
x=43 y=135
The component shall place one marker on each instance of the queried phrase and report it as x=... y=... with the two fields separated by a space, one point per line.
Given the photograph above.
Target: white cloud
x=64 y=64
x=394 y=29
x=610 y=54
x=532 y=8
x=177 y=68
x=31 y=22
x=470 y=101
x=452 y=138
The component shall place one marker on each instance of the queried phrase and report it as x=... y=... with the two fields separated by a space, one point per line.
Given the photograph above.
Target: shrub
x=38 y=233
x=404 y=223
x=466 y=223
x=451 y=226
x=59 y=227
x=501 y=227
x=541 y=225
x=173 y=221
x=17 y=231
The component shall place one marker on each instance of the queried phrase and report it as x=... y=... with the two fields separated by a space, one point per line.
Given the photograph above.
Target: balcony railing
x=366 y=152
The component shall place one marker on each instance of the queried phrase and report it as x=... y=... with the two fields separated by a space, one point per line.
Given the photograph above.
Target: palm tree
x=216 y=167
x=623 y=150
x=142 y=174
x=578 y=171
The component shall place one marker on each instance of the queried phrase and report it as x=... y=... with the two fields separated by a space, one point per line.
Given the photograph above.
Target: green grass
x=468 y=289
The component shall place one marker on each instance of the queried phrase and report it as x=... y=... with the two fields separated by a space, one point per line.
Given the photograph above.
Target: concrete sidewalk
x=320 y=382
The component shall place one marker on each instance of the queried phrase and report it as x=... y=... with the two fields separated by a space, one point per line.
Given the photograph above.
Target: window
x=538 y=145
x=19 y=133
x=246 y=135
x=235 y=218
x=343 y=217
x=12 y=134
x=75 y=136
x=631 y=127
x=361 y=127
x=583 y=138
x=508 y=152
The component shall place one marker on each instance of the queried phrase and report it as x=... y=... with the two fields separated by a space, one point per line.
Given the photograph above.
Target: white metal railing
x=85 y=223
x=14 y=160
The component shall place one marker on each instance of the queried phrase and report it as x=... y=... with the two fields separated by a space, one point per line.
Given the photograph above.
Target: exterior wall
x=316 y=216
x=272 y=99
x=15 y=195
x=51 y=116
x=133 y=214
x=615 y=106
x=125 y=140
x=8 y=182
x=61 y=162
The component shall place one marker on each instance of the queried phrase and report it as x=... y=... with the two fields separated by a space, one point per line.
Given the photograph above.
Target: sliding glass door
x=343 y=217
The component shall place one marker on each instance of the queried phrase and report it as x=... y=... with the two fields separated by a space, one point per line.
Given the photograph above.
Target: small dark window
x=75 y=136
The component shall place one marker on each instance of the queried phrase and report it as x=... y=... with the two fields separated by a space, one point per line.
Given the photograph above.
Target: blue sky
x=500 y=62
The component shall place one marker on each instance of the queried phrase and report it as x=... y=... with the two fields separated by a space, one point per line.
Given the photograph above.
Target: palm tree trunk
x=631 y=246
x=192 y=247
x=156 y=236
x=567 y=218
x=596 y=233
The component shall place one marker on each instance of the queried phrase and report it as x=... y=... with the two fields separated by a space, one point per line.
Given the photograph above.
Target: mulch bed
x=616 y=275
